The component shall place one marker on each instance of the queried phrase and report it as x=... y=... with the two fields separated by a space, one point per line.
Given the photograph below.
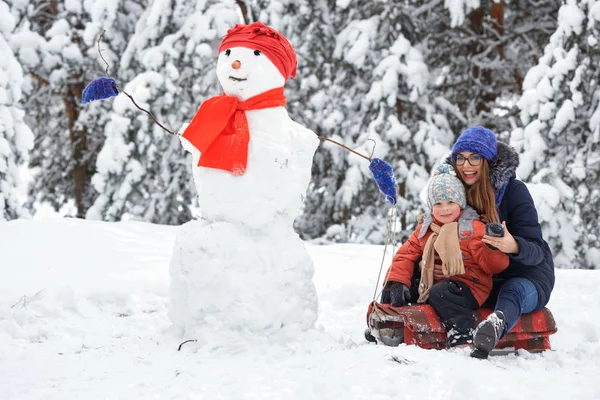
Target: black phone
x=494 y=229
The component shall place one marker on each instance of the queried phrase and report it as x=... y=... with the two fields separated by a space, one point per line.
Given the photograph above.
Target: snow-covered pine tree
x=16 y=139
x=479 y=51
x=56 y=45
x=559 y=140
x=142 y=172
x=365 y=80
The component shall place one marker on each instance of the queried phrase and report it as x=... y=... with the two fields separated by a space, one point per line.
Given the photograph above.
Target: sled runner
x=419 y=325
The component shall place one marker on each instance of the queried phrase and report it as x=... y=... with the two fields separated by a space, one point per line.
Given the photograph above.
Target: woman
x=487 y=168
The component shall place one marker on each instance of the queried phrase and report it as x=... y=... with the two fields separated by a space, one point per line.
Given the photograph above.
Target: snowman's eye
x=227 y=52
x=257 y=52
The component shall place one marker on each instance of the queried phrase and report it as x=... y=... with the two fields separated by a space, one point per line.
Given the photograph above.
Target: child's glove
x=397 y=294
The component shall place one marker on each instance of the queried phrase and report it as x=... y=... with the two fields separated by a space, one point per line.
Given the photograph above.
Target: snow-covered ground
x=83 y=315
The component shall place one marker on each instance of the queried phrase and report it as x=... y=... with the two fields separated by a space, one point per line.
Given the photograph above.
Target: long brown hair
x=481 y=195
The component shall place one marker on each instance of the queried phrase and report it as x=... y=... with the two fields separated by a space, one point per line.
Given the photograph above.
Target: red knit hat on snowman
x=258 y=36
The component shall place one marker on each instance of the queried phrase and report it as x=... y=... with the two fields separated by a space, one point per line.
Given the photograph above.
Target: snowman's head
x=245 y=73
x=254 y=59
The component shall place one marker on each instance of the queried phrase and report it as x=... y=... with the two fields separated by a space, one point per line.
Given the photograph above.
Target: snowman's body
x=241 y=267
x=280 y=157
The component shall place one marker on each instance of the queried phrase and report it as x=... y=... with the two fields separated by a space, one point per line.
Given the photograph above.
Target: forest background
x=410 y=75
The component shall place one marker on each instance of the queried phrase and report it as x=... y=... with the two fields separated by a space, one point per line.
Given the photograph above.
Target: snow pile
x=83 y=314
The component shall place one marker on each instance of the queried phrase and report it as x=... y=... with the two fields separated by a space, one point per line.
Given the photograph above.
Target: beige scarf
x=444 y=241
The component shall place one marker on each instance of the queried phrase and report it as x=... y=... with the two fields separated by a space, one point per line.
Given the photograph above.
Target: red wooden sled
x=420 y=325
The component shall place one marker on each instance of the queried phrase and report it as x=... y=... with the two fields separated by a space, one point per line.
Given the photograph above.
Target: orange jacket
x=480 y=261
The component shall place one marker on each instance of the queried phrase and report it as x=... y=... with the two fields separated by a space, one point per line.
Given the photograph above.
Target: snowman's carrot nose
x=236 y=64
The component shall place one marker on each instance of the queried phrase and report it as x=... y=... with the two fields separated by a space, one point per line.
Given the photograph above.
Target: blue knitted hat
x=444 y=185
x=478 y=140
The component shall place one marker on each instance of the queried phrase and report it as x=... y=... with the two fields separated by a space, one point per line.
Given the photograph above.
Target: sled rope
x=391 y=232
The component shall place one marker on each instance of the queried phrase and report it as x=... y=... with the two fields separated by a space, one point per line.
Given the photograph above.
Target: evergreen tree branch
x=40 y=80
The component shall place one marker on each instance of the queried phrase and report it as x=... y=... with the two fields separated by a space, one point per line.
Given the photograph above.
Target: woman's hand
x=506 y=244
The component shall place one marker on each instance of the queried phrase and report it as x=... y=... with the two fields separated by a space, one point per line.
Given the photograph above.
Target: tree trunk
x=399 y=109
x=402 y=193
x=79 y=146
x=245 y=11
x=497 y=17
x=484 y=77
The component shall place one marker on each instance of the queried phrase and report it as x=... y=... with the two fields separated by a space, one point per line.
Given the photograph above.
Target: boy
x=452 y=230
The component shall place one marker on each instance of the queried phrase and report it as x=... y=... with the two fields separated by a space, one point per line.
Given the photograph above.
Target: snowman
x=241 y=267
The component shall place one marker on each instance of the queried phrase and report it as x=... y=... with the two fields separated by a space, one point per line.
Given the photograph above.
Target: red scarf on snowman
x=220 y=128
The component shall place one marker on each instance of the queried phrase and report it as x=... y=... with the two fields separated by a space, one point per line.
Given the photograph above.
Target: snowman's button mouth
x=233 y=78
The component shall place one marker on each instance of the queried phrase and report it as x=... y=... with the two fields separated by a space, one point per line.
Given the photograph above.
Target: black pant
x=454 y=303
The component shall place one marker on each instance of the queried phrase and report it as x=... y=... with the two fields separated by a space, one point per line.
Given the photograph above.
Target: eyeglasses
x=473 y=159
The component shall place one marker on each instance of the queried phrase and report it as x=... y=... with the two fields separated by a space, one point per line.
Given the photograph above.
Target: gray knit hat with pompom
x=445 y=185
